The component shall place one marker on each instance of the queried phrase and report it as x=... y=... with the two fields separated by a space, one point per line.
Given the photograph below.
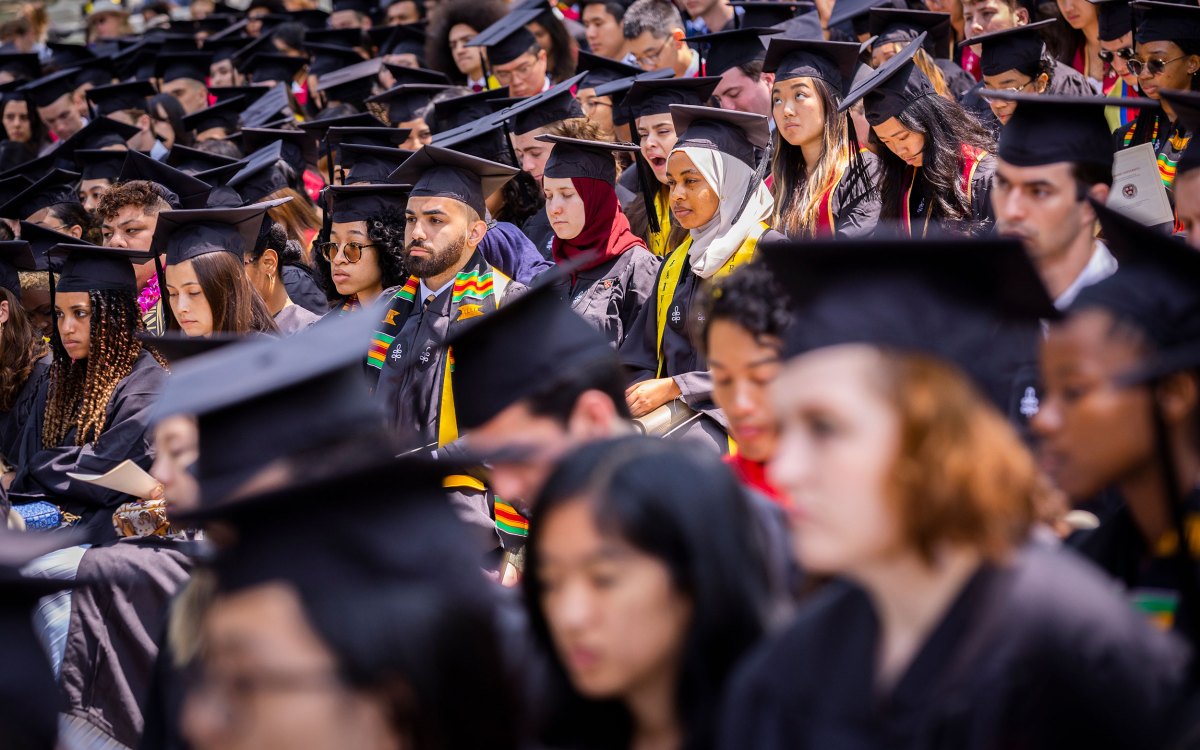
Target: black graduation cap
x=193 y=160
x=553 y=341
x=98 y=164
x=760 y=14
x=449 y=114
x=344 y=38
x=260 y=45
x=508 y=39
x=15 y=255
x=832 y=62
x=13 y=155
x=857 y=10
x=268 y=108
x=552 y=105
x=728 y=49
x=371 y=164
x=13 y=185
x=360 y=202
x=1019 y=48
x=927 y=297
x=617 y=91
x=299 y=147
x=137 y=62
x=1156 y=22
x=353 y=84
x=366 y=7
x=192 y=65
x=184 y=235
x=64 y=55
x=313 y=19
x=262 y=174
x=892 y=87
x=404 y=39
x=221 y=115
x=250 y=93
x=1115 y=19
x=41 y=240
x=485 y=139
x=436 y=171
x=48 y=89
x=178 y=44
x=188 y=191
x=120 y=96
x=403 y=74
x=26 y=66
x=902 y=25
x=328 y=58
x=273 y=66
x=99 y=72
x=89 y=268
x=101 y=132
x=320 y=126
x=56 y=187
x=575 y=157
x=1052 y=128
x=225 y=48
x=655 y=96
x=178 y=347
x=367 y=136
x=739 y=134
x=601 y=70
x=405 y=101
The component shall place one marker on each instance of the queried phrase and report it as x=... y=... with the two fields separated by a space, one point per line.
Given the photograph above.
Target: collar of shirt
x=1100 y=267
x=158 y=152
x=693 y=70
x=425 y=291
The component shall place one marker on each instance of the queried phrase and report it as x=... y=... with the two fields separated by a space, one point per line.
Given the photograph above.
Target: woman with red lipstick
x=94 y=412
x=646 y=586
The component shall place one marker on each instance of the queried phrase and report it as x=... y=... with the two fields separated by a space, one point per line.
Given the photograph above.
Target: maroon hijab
x=606 y=233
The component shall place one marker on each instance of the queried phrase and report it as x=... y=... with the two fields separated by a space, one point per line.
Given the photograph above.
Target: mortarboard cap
x=102 y=132
x=273 y=66
x=892 y=87
x=343 y=38
x=268 y=108
x=137 y=63
x=15 y=256
x=902 y=25
x=856 y=11
x=327 y=58
x=319 y=127
x=56 y=187
x=508 y=39
x=299 y=147
x=449 y=114
x=64 y=55
x=761 y=14
x=403 y=74
x=1157 y=22
x=225 y=48
x=98 y=164
x=1115 y=19
x=178 y=44
x=178 y=347
x=184 y=235
x=739 y=134
x=601 y=70
x=90 y=268
x=541 y=110
x=485 y=139
x=619 y=89
x=406 y=101
x=261 y=175
x=370 y=164
x=654 y=96
x=48 y=89
x=554 y=341
x=250 y=93
x=25 y=66
x=40 y=241
x=353 y=84
x=120 y=96
x=405 y=39
x=728 y=49
x=832 y=62
x=99 y=72
x=574 y=157
x=312 y=19
x=361 y=202
x=1050 y=128
x=13 y=155
x=365 y=7
x=181 y=190
x=222 y=115
x=192 y=160
x=1018 y=49
x=438 y=172
x=192 y=65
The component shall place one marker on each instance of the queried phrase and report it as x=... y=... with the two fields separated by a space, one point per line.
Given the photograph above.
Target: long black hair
x=946 y=127
x=687 y=511
x=175 y=115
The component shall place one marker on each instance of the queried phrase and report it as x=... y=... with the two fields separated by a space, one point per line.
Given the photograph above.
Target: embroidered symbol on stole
x=391 y=317
x=1029 y=403
x=425 y=355
x=466 y=312
x=676 y=315
x=397 y=353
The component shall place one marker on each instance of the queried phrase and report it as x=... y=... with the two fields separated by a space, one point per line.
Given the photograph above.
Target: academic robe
x=1035 y=654
x=42 y=473
x=958 y=80
x=537 y=229
x=303 y=289
x=977 y=171
x=13 y=420
x=850 y=209
x=1066 y=81
x=294 y=319
x=611 y=295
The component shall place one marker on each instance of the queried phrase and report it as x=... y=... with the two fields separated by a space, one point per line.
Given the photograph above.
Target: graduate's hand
x=648 y=395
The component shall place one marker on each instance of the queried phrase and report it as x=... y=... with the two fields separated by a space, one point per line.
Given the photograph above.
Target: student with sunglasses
x=1116 y=50
x=1167 y=41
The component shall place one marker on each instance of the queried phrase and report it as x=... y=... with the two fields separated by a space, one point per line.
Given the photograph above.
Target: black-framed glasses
x=1154 y=67
x=1125 y=53
x=352 y=250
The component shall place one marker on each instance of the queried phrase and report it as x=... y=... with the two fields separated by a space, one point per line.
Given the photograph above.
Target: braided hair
x=80 y=390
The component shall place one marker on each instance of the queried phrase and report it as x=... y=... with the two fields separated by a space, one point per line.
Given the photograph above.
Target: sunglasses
x=352 y=250
x=1107 y=55
x=1153 y=66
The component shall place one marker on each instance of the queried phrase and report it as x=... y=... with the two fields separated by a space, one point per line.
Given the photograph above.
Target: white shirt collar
x=425 y=291
x=1100 y=267
x=694 y=66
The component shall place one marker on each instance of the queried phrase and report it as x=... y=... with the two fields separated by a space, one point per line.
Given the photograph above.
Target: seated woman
x=641 y=612
x=717 y=195
x=612 y=272
x=94 y=410
x=824 y=184
x=24 y=357
x=1097 y=433
x=264 y=266
x=364 y=252
x=935 y=161
x=744 y=322
x=941 y=624
x=207 y=287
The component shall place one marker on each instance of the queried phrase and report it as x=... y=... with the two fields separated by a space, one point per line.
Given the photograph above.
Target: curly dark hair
x=150 y=196
x=946 y=127
x=73 y=214
x=21 y=346
x=79 y=391
x=522 y=199
x=386 y=232
x=478 y=14
x=749 y=297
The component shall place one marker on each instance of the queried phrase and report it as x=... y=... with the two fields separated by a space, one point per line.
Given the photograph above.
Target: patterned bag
x=142 y=518
x=40 y=515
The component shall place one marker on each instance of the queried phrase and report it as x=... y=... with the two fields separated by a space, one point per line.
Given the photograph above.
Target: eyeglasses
x=352 y=250
x=504 y=77
x=1154 y=67
x=1107 y=55
x=1015 y=89
x=651 y=58
x=590 y=105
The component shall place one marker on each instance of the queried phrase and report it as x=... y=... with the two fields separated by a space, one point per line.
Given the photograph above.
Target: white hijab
x=715 y=243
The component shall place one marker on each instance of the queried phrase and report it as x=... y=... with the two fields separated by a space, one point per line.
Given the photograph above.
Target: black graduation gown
x=1037 y=654
x=958 y=80
x=855 y=201
x=42 y=473
x=982 y=219
x=1067 y=81
x=611 y=295
x=304 y=289
x=14 y=419
x=537 y=229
